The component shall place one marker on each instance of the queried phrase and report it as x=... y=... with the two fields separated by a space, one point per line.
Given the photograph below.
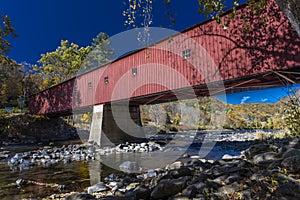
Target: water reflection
x=76 y=176
x=79 y=175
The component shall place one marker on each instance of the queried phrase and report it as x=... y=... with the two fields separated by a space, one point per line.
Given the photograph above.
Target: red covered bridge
x=205 y=59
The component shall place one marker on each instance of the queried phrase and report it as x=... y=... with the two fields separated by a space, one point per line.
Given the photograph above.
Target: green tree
x=211 y=9
x=6 y=30
x=10 y=88
x=63 y=63
x=292 y=113
x=100 y=52
x=10 y=82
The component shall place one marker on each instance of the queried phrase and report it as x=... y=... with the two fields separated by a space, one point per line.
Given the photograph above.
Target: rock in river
x=129 y=167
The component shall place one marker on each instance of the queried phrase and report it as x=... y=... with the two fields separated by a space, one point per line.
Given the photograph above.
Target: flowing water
x=78 y=175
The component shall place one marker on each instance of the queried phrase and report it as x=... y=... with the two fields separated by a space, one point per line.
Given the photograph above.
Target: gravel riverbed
x=239 y=167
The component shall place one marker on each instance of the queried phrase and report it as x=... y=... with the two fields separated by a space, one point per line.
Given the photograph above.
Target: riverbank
x=237 y=167
x=31 y=129
x=263 y=171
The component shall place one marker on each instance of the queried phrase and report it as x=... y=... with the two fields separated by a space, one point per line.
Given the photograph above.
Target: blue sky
x=41 y=24
x=262 y=96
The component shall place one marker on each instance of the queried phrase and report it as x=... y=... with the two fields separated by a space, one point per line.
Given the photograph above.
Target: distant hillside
x=211 y=113
x=295 y=93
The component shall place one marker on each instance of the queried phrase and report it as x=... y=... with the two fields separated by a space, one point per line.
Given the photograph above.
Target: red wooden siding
x=57 y=99
x=267 y=46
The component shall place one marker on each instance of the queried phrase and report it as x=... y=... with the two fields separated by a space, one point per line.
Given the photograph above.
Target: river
x=76 y=176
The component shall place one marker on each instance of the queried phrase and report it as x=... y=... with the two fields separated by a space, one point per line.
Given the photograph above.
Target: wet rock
x=99 y=187
x=169 y=187
x=264 y=159
x=292 y=163
x=129 y=167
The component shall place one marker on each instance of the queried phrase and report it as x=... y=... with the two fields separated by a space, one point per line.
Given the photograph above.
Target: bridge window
x=134 y=71
x=89 y=85
x=106 y=79
x=186 y=53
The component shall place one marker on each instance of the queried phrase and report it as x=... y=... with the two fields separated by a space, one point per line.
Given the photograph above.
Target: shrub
x=292 y=114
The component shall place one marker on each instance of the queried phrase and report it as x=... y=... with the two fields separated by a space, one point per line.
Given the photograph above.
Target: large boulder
x=169 y=187
x=287 y=191
x=292 y=164
x=183 y=171
x=264 y=158
x=290 y=153
x=80 y=196
x=256 y=149
x=140 y=192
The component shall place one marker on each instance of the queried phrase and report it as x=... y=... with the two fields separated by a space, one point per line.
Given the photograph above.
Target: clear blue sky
x=41 y=24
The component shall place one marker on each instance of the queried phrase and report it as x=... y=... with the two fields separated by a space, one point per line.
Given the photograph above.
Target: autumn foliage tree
x=10 y=78
x=68 y=58
x=63 y=63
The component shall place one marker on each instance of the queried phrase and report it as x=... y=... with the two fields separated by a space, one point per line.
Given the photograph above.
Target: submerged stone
x=129 y=167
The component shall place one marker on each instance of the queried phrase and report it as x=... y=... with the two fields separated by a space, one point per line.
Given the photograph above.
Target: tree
x=10 y=88
x=63 y=63
x=292 y=112
x=211 y=9
x=10 y=82
x=6 y=30
x=100 y=52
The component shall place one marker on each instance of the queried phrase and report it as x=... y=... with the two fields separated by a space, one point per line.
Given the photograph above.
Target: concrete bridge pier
x=113 y=124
